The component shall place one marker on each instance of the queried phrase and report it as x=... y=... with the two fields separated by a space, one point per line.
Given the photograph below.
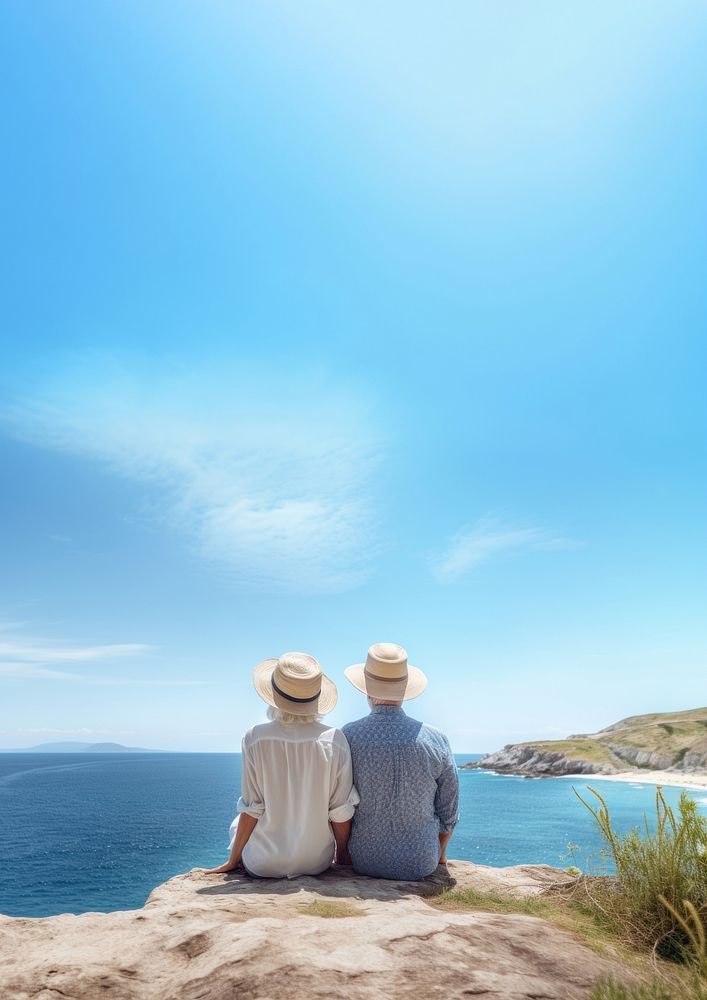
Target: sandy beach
x=640 y=776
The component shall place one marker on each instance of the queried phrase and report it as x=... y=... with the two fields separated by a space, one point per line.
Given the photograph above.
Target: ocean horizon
x=97 y=832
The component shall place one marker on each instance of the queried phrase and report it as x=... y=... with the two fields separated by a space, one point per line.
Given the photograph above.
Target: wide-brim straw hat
x=295 y=683
x=386 y=674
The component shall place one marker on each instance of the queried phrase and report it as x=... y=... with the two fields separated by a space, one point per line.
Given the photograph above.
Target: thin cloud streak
x=31 y=653
x=27 y=659
x=266 y=477
x=30 y=671
x=478 y=543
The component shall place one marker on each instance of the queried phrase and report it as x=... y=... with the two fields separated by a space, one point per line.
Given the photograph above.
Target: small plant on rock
x=659 y=896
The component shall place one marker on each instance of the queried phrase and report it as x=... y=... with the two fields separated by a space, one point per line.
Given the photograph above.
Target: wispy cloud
x=29 y=652
x=479 y=542
x=29 y=670
x=267 y=476
x=29 y=657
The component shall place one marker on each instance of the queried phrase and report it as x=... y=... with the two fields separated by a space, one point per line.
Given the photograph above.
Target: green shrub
x=658 y=899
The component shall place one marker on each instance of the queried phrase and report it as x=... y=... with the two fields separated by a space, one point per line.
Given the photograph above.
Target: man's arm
x=246 y=825
x=342 y=832
x=447 y=802
x=443 y=841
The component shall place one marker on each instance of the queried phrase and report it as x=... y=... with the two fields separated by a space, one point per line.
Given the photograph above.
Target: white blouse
x=296 y=780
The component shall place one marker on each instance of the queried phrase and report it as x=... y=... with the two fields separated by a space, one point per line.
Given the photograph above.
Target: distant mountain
x=664 y=741
x=67 y=746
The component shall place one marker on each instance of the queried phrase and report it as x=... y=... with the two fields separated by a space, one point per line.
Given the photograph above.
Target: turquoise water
x=97 y=832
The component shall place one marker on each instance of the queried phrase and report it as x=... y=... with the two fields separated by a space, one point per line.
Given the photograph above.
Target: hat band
x=388 y=680
x=289 y=697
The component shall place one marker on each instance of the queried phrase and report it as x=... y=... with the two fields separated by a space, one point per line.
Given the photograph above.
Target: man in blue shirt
x=404 y=772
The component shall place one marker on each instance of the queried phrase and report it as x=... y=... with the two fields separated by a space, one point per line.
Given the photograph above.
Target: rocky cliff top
x=203 y=937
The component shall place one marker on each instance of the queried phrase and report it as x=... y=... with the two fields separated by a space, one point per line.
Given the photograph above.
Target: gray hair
x=289 y=718
x=373 y=702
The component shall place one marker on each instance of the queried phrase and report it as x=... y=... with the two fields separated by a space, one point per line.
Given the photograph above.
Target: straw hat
x=295 y=683
x=386 y=674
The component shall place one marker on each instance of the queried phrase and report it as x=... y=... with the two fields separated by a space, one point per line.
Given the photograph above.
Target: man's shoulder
x=351 y=728
x=433 y=731
x=434 y=736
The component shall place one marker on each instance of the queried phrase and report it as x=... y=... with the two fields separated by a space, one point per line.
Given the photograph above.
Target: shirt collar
x=386 y=710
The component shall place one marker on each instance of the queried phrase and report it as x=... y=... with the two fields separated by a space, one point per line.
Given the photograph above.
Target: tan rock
x=203 y=937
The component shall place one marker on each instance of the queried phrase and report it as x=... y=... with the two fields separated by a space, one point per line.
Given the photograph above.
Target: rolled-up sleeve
x=343 y=797
x=447 y=794
x=251 y=799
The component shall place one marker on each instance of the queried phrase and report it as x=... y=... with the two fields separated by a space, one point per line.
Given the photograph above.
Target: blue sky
x=325 y=325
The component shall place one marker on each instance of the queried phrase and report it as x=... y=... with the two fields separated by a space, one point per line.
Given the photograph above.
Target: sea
x=84 y=832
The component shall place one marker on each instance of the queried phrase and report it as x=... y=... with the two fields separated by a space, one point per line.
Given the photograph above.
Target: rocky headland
x=671 y=742
x=203 y=937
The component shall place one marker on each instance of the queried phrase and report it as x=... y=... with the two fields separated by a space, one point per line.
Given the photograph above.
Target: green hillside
x=660 y=740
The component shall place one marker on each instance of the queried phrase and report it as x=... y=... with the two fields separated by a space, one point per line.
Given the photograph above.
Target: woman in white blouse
x=297 y=792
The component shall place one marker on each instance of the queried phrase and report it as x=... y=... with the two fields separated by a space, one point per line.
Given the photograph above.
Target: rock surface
x=666 y=741
x=202 y=937
x=524 y=758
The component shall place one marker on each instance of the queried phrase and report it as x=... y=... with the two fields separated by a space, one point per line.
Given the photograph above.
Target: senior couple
x=382 y=795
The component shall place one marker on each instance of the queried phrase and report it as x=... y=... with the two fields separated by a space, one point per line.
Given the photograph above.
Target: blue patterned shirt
x=407 y=779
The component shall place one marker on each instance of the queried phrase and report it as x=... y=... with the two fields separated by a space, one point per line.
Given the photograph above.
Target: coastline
x=640 y=776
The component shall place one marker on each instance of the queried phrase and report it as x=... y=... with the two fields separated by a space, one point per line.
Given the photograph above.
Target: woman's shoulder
x=330 y=734
x=263 y=731
x=314 y=731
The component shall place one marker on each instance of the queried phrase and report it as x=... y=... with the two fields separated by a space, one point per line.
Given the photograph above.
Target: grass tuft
x=559 y=907
x=489 y=902
x=657 y=990
x=615 y=991
x=572 y=911
x=658 y=899
x=331 y=908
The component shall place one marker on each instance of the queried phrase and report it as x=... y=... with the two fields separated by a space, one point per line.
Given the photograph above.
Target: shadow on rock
x=336 y=881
